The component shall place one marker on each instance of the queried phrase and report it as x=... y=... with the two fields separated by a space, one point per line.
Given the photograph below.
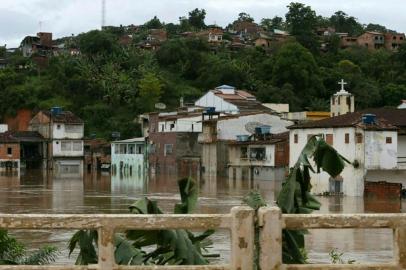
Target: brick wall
x=20 y=122
x=15 y=151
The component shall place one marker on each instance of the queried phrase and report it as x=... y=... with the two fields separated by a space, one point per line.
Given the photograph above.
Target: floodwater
x=37 y=192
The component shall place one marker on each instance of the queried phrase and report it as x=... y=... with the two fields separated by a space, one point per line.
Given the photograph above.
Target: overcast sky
x=19 y=18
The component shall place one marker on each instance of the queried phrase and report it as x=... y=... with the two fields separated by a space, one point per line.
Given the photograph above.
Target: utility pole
x=103 y=22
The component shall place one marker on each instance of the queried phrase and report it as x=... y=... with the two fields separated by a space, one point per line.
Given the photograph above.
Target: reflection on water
x=37 y=192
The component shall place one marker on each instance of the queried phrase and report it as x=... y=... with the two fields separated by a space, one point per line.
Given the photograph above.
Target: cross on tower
x=342 y=83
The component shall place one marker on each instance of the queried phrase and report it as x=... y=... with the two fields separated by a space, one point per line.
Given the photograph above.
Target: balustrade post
x=106 y=248
x=399 y=242
x=242 y=238
x=270 y=238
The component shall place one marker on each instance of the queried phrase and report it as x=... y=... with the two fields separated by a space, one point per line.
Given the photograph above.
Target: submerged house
x=219 y=132
x=129 y=156
x=261 y=156
x=63 y=132
x=9 y=152
x=372 y=140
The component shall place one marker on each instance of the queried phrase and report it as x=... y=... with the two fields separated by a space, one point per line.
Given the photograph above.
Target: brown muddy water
x=36 y=192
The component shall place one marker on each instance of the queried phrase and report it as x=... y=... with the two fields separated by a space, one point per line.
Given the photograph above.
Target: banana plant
x=295 y=196
x=13 y=252
x=145 y=247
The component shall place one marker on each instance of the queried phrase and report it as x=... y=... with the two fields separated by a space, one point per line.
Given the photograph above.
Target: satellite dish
x=160 y=106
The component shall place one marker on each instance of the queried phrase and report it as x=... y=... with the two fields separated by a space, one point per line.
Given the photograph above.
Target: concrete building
x=342 y=102
x=218 y=132
x=41 y=44
x=259 y=157
x=213 y=35
x=371 y=139
x=64 y=132
x=394 y=40
x=129 y=156
x=173 y=142
x=227 y=99
x=372 y=40
x=9 y=152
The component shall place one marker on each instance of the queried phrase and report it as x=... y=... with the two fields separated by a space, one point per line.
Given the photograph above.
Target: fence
x=240 y=222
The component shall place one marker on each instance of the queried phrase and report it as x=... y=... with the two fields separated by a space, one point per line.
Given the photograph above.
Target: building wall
x=378 y=153
x=191 y=124
x=235 y=158
x=211 y=100
x=228 y=129
x=159 y=160
x=353 y=178
x=371 y=41
x=394 y=41
x=67 y=131
x=15 y=151
x=20 y=122
x=341 y=104
x=41 y=123
x=67 y=168
x=209 y=158
x=67 y=148
x=402 y=152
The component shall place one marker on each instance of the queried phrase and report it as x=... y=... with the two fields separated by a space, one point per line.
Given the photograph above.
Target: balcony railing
x=240 y=222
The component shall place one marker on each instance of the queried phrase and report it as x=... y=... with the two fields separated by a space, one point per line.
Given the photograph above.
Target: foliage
x=102 y=84
x=336 y=257
x=13 y=252
x=144 y=247
x=295 y=197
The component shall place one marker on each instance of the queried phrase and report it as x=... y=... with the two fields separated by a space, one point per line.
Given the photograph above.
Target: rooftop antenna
x=103 y=22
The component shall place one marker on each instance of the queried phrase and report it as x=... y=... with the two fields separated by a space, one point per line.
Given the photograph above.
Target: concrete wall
x=402 y=152
x=235 y=158
x=353 y=178
x=228 y=129
x=211 y=100
x=67 y=131
x=58 y=151
x=191 y=124
x=378 y=153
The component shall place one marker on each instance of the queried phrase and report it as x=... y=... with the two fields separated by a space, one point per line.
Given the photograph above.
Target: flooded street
x=35 y=192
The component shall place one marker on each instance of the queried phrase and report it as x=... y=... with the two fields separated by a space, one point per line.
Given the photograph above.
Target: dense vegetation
x=108 y=85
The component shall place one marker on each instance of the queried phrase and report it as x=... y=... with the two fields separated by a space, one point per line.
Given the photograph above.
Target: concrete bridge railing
x=240 y=222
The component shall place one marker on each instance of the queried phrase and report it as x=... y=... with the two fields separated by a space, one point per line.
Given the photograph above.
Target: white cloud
x=64 y=17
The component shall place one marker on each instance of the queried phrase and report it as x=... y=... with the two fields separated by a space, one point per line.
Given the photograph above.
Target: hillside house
x=64 y=132
x=213 y=35
x=9 y=153
x=259 y=156
x=129 y=156
x=394 y=40
x=227 y=99
x=218 y=132
x=41 y=44
x=371 y=40
x=97 y=155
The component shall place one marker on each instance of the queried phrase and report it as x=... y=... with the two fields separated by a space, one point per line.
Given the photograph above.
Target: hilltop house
x=213 y=35
x=41 y=44
x=394 y=40
x=63 y=131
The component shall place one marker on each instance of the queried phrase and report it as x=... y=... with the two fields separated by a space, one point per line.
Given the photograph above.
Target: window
x=244 y=152
x=9 y=151
x=347 y=138
x=168 y=149
x=280 y=147
x=349 y=101
x=162 y=128
x=77 y=146
x=296 y=138
x=329 y=139
x=401 y=38
x=123 y=149
x=66 y=146
x=338 y=100
x=172 y=126
x=131 y=149
x=388 y=140
x=333 y=101
x=58 y=126
x=73 y=128
x=140 y=149
x=257 y=153
x=116 y=148
x=358 y=137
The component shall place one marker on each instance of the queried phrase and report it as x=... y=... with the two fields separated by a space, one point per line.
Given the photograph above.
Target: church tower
x=341 y=102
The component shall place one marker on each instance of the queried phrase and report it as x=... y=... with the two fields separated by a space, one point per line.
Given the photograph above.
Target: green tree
x=302 y=23
x=196 y=18
x=295 y=65
x=3 y=51
x=376 y=28
x=392 y=94
x=244 y=17
x=154 y=23
x=343 y=23
x=97 y=42
x=271 y=24
x=150 y=91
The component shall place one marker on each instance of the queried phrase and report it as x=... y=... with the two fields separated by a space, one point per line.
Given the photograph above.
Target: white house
x=129 y=156
x=227 y=99
x=64 y=133
x=367 y=141
x=218 y=132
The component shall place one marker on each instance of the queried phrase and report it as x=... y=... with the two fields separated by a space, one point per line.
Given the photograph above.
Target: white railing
x=240 y=222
